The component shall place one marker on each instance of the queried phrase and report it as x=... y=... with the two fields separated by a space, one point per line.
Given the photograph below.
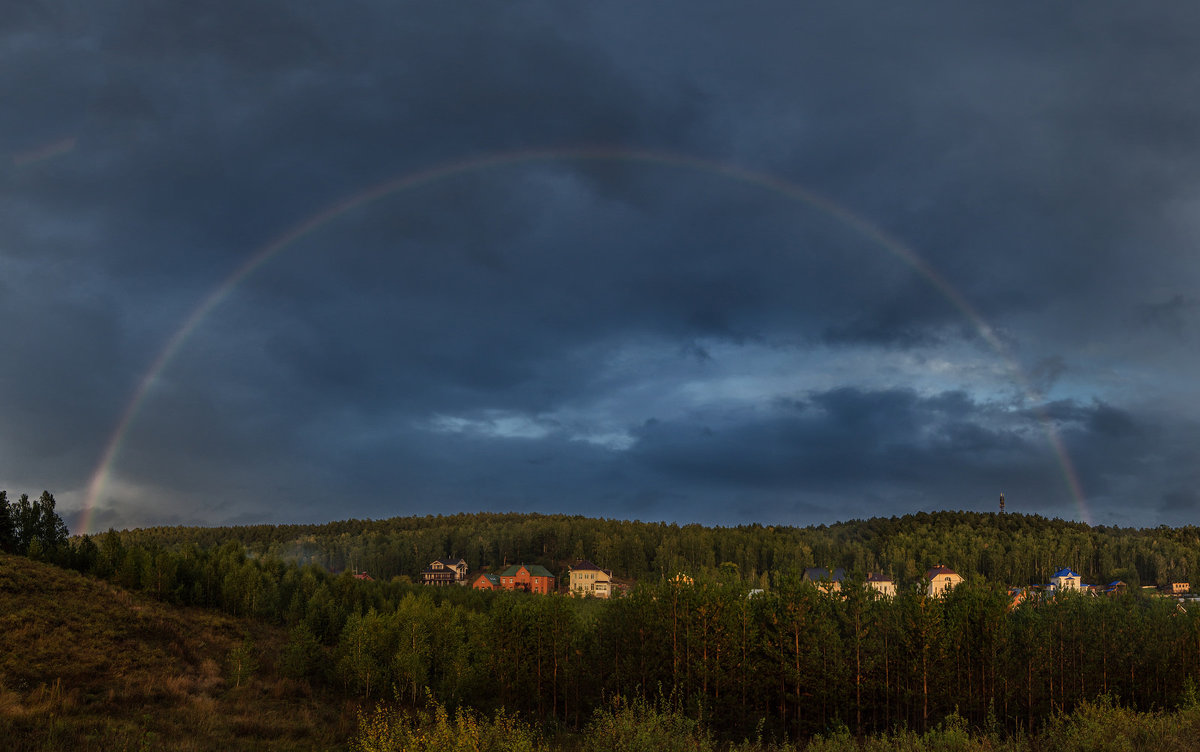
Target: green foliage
x=785 y=664
x=8 y=525
x=243 y=662
x=301 y=657
x=416 y=624
x=437 y=730
x=639 y=726
x=1006 y=549
x=31 y=527
x=363 y=653
x=1104 y=726
x=1189 y=697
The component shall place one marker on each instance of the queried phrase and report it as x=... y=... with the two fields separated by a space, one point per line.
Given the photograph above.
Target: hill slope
x=85 y=665
x=1010 y=548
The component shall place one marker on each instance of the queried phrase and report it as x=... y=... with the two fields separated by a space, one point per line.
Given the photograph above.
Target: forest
x=1012 y=549
x=788 y=663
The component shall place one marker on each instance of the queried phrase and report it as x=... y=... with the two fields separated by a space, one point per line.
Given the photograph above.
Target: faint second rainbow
x=103 y=471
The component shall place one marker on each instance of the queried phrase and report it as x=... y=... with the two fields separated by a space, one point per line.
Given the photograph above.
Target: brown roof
x=584 y=565
x=940 y=570
x=876 y=577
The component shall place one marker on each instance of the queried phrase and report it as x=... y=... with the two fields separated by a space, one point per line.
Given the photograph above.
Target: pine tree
x=8 y=528
x=243 y=662
x=50 y=530
x=25 y=523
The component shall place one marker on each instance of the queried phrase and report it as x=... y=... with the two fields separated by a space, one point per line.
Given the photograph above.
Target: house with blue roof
x=1066 y=579
x=1114 y=588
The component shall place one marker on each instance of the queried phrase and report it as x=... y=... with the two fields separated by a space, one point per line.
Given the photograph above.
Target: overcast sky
x=699 y=262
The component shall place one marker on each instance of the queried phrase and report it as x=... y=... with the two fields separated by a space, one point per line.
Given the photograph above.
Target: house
x=825 y=582
x=486 y=581
x=1065 y=579
x=1114 y=588
x=881 y=584
x=940 y=579
x=588 y=579
x=363 y=576
x=1177 y=588
x=445 y=572
x=1019 y=595
x=531 y=578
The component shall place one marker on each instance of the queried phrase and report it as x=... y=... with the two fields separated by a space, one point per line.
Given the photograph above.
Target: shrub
x=638 y=726
x=390 y=730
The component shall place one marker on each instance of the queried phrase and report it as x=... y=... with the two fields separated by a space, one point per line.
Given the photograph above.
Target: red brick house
x=531 y=578
x=486 y=582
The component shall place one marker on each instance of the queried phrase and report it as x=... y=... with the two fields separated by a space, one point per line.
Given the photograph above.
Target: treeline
x=1011 y=549
x=792 y=660
x=30 y=527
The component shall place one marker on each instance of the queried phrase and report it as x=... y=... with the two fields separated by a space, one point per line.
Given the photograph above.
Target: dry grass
x=85 y=665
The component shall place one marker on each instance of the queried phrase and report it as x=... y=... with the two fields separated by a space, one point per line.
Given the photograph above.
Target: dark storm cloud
x=1183 y=500
x=500 y=337
x=837 y=439
x=1176 y=316
x=849 y=444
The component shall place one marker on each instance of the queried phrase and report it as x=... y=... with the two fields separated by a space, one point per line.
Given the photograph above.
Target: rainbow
x=104 y=469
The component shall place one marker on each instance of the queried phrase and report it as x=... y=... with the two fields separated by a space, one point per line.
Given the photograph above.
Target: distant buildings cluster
x=939 y=579
x=586 y=579
x=1068 y=580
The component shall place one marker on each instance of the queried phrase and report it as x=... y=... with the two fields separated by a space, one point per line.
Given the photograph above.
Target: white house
x=1065 y=579
x=941 y=579
x=588 y=579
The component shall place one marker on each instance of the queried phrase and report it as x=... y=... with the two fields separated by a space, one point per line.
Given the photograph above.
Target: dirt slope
x=85 y=665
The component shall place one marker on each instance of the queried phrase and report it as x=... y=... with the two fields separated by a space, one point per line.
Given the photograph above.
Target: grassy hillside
x=85 y=665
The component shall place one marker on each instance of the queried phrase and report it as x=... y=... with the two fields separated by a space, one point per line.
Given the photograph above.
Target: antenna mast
x=1001 y=502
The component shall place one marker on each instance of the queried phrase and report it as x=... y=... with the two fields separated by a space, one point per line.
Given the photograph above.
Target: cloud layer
x=654 y=323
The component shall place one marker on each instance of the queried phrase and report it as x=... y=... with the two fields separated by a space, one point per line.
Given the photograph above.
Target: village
x=587 y=580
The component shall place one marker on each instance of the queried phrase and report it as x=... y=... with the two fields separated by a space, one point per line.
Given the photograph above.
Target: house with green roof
x=530 y=578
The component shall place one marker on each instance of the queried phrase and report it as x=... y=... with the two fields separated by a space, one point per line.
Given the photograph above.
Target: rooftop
x=535 y=570
x=586 y=566
x=940 y=570
x=821 y=573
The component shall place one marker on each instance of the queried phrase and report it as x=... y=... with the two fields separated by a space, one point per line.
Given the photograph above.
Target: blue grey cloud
x=700 y=340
